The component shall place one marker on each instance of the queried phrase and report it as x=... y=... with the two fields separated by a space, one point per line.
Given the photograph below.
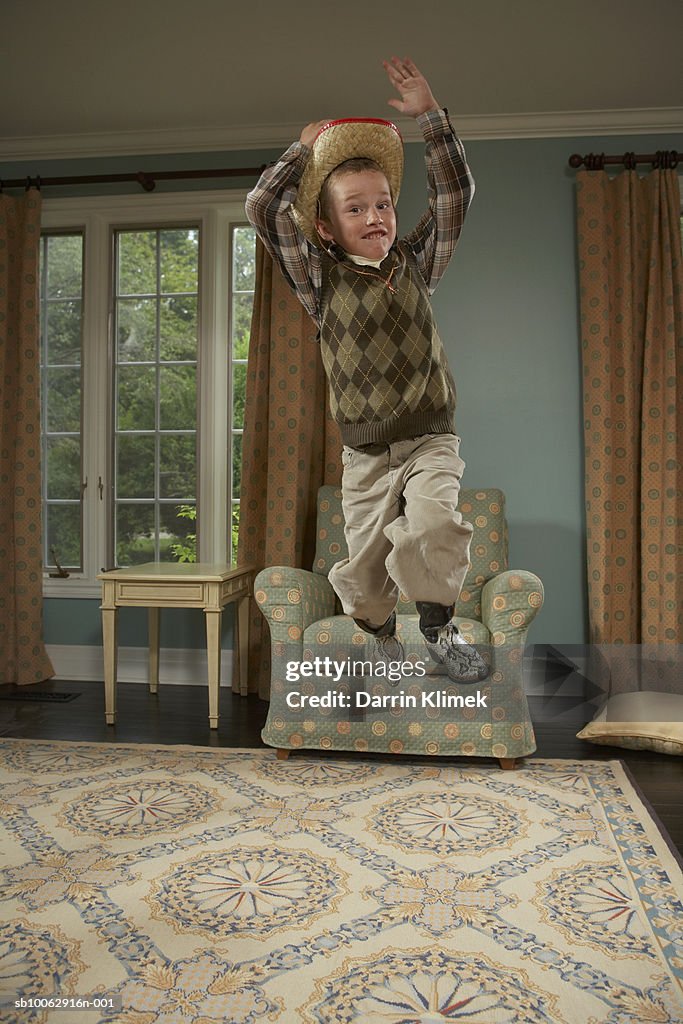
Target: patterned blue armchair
x=424 y=712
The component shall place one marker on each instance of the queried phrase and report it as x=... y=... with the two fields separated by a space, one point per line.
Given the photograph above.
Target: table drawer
x=161 y=593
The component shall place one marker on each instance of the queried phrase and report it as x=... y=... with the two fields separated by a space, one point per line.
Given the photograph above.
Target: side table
x=156 y=585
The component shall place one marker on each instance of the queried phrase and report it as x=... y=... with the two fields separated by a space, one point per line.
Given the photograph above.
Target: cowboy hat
x=337 y=141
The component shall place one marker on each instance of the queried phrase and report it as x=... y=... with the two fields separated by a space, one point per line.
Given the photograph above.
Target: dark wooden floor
x=179 y=714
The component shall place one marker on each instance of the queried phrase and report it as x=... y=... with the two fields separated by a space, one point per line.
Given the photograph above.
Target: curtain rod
x=663 y=158
x=146 y=179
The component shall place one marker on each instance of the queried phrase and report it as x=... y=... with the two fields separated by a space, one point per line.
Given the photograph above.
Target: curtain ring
x=665 y=159
x=28 y=182
x=595 y=161
x=630 y=161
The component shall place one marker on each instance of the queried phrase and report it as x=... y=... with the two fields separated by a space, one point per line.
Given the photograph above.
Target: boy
x=325 y=212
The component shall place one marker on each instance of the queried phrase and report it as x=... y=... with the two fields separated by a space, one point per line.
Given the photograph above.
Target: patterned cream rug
x=178 y=885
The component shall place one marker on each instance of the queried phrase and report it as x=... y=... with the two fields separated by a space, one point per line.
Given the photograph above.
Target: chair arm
x=291 y=599
x=509 y=603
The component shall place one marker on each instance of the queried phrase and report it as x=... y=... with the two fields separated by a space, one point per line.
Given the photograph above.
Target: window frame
x=215 y=213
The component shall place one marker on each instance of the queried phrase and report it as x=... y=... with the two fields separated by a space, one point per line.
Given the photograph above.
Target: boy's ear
x=323 y=229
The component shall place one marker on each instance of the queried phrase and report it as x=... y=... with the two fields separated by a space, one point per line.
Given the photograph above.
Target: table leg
x=242 y=646
x=109 y=645
x=213 y=651
x=153 y=641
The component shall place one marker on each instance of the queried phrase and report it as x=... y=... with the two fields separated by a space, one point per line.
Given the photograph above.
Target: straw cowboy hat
x=341 y=140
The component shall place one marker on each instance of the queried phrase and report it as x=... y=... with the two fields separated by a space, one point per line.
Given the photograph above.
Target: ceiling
x=83 y=77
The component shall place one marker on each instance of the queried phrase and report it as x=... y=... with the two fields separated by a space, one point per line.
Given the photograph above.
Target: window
x=155 y=392
x=61 y=318
x=243 y=284
x=145 y=317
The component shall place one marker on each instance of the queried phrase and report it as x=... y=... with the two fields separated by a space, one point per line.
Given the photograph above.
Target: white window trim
x=97 y=216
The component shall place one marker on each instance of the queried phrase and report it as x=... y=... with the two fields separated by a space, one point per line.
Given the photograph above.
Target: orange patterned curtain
x=23 y=658
x=291 y=445
x=631 y=280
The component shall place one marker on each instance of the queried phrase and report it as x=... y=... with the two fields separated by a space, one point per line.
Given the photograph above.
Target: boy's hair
x=352 y=166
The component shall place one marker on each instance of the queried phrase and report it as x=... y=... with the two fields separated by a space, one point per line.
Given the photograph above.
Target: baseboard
x=177 y=666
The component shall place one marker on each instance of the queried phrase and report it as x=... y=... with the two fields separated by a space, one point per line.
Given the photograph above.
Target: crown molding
x=567 y=123
x=656 y=120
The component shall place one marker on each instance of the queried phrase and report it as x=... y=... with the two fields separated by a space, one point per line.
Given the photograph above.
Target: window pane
x=63 y=400
x=178 y=397
x=137 y=263
x=179 y=260
x=178 y=328
x=178 y=466
x=137 y=330
x=178 y=535
x=135 y=534
x=63 y=468
x=234 y=532
x=135 y=466
x=64 y=266
x=241 y=325
x=63 y=325
x=244 y=260
x=239 y=390
x=137 y=398
x=63 y=533
x=236 y=464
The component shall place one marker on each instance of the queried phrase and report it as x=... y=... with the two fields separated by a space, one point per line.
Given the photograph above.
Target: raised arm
x=450 y=185
x=269 y=211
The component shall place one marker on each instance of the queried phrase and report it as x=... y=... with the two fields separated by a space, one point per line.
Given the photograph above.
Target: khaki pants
x=403 y=530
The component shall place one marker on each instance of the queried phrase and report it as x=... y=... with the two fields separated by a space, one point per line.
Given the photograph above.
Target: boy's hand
x=416 y=96
x=309 y=133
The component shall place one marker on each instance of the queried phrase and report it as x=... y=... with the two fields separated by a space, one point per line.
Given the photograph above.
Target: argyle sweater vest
x=388 y=373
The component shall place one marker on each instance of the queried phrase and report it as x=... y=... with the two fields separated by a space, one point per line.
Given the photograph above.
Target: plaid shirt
x=450 y=189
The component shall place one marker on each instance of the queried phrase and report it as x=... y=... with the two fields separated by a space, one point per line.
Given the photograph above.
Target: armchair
x=494 y=611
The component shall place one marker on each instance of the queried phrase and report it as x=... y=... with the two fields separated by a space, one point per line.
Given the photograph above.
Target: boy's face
x=361 y=217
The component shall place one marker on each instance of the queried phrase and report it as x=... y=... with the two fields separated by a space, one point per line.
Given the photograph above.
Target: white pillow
x=642 y=720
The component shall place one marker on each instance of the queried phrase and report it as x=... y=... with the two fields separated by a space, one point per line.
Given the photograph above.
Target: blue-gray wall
x=508 y=313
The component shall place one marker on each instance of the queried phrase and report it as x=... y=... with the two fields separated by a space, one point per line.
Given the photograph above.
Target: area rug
x=178 y=885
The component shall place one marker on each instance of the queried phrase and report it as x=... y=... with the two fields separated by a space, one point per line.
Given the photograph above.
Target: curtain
x=23 y=658
x=631 y=282
x=290 y=447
